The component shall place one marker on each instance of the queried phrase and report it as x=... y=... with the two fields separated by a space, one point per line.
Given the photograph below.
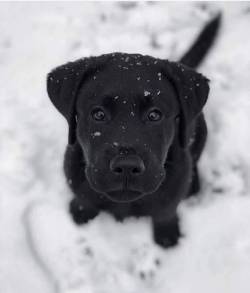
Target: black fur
x=127 y=163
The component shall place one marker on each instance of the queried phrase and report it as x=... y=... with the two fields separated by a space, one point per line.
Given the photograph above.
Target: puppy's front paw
x=81 y=211
x=167 y=234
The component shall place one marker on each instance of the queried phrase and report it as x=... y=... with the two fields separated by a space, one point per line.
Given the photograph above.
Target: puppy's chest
x=123 y=210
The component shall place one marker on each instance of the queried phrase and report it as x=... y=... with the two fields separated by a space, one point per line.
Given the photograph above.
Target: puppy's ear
x=63 y=85
x=192 y=90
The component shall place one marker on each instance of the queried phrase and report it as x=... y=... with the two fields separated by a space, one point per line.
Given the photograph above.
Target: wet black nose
x=128 y=164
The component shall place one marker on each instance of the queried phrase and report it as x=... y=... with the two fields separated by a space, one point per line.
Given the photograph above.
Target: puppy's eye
x=154 y=115
x=98 y=114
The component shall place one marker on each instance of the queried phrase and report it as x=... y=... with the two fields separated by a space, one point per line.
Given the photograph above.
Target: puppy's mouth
x=124 y=195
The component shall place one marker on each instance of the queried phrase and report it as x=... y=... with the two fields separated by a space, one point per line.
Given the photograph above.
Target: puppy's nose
x=129 y=165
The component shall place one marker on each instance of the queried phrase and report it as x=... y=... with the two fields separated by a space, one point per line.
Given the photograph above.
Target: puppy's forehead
x=129 y=76
x=130 y=71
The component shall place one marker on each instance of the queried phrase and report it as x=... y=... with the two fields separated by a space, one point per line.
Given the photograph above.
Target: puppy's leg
x=167 y=234
x=80 y=208
x=82 y=211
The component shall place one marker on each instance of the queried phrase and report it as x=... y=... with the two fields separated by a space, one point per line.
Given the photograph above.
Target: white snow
x=41 y=250
x=96 y=133
x=146 y=93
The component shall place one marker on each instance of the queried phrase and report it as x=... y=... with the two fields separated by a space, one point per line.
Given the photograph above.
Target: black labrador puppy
x=136 y=132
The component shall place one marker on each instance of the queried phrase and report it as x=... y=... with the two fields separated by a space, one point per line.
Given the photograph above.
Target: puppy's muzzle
x=126 y=169
x=127 y=166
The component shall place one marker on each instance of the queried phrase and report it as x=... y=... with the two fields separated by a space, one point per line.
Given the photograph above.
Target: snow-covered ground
x=41 y=250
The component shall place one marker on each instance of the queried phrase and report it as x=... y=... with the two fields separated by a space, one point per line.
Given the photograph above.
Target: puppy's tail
x=203 y=43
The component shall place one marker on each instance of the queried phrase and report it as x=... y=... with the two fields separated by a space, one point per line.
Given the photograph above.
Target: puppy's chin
x=124 y=196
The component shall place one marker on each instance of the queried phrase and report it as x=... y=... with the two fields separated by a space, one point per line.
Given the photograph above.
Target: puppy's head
x=127 y=111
